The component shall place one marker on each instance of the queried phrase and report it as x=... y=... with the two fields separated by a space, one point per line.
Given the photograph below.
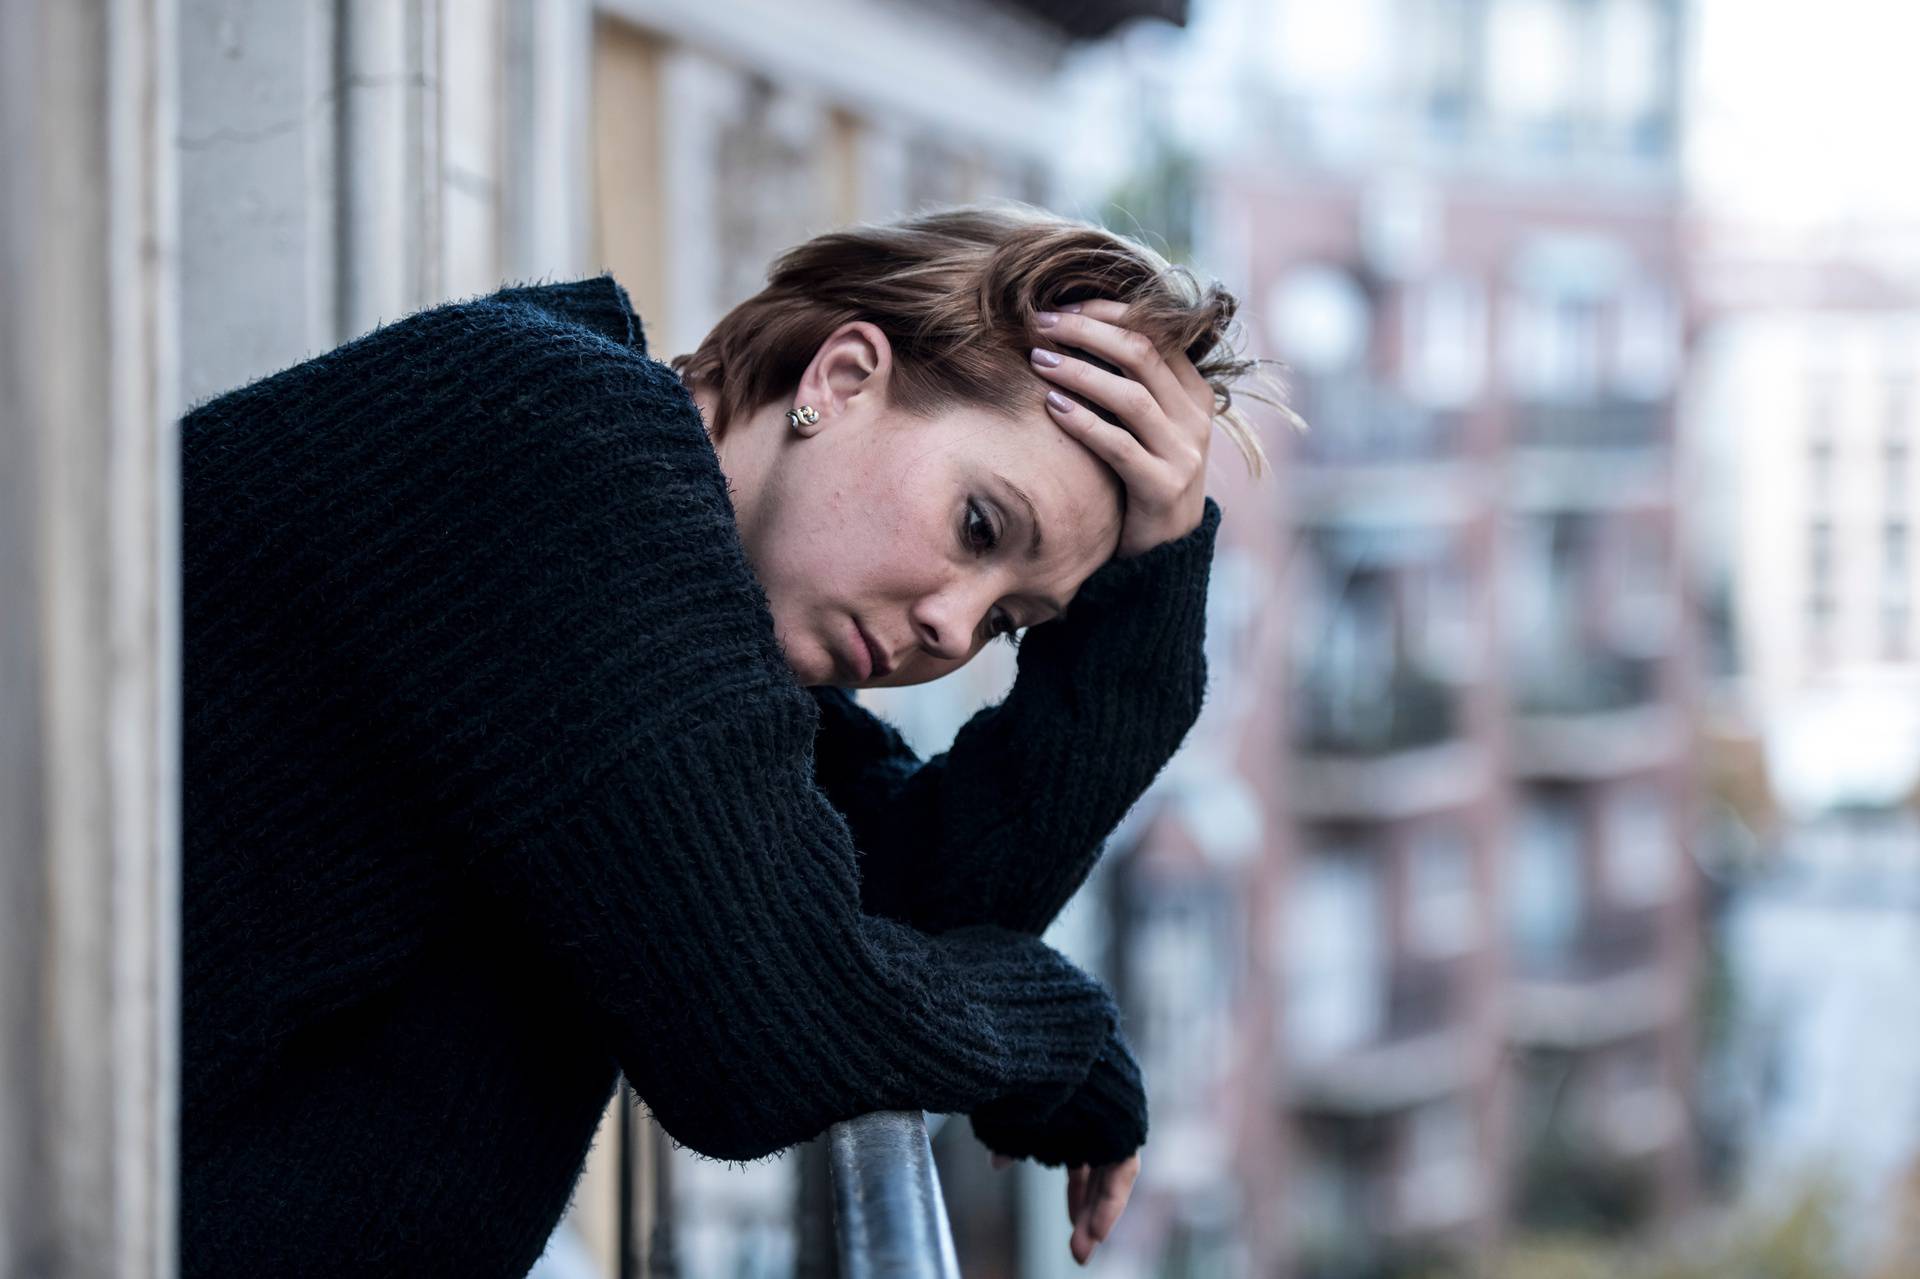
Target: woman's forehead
x=1075 y=495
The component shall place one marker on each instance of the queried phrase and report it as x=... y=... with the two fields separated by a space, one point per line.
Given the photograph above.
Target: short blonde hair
x=954 y=290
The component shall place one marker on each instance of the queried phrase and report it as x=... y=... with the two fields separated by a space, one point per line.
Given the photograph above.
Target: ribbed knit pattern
x=1005 y=825
x=496 y=784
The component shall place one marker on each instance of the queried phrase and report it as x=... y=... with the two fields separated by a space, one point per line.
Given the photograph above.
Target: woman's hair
x=954 y=289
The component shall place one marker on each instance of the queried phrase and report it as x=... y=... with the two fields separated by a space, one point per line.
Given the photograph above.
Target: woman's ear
x=854 y=361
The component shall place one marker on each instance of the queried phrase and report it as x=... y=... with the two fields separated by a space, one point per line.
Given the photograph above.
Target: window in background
x=1642 y=606
x=1334 y=957
x=1896 y=464
x=1446 y=341
x=1820 y=462
x=1544 y=893
x=1532 y=70
x=1440 y=1181
x=1448 y=49
x=1632 y=92
x=1898 y=420
x=1446 y=624
x=1823 y=406
x=1896 y=577
x=1443 y=912
x=1822 y=580
x=1641 y=846
x=1334 y=66
x=1646 y=352
x=1179 y=981
x=1552 y=346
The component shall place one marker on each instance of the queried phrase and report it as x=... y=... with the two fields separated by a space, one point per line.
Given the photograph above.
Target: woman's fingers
x=1146 y=394
x=1076 y=1191
x=1118 y=447
x=1116 y=1187
x=1197 y=388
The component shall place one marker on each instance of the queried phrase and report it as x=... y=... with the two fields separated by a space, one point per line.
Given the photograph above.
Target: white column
x=89 y=667
x=256 y=151
x=389 y=176
x=471 y=146
x=549 y=64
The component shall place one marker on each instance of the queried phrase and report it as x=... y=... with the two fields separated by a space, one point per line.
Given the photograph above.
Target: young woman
x=519 y=753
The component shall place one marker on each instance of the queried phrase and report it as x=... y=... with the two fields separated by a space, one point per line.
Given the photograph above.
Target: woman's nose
x=945 y=623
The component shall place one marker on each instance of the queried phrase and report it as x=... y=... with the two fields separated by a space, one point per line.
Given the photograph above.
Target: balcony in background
x=1357 y=421
x=1608 y=984
x=1411 y=710
x=1591 y=716
x=1596 y=426
x=1389 y=755
x=1424 y=1049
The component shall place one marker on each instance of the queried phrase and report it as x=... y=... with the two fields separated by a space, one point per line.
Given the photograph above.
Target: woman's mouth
x=871 y=662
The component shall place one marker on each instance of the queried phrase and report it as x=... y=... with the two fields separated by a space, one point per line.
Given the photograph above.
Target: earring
x=805 y=413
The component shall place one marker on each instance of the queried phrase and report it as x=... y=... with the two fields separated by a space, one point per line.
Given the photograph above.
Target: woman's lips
x=870 y=655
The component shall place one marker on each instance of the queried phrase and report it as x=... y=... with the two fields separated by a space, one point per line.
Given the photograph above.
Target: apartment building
x=1463 y=1003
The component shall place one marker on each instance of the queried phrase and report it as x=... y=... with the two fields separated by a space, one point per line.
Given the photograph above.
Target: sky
x=1804 y=111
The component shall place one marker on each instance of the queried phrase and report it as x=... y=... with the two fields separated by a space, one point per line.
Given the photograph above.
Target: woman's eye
x=1003 y=626
x=981 y=537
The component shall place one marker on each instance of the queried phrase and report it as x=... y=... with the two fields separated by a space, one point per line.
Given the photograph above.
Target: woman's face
x=916 y=535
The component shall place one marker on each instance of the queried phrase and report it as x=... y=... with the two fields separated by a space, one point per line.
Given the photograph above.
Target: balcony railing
x=1584 y=683
x=1608 y=424
x=1360 y=422
x=1422 y=1049
x=1609 y=984
x=888 y=1219
x=1412 y=710
x=1607 y=944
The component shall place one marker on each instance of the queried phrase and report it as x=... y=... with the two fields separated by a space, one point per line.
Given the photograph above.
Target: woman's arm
x=700 y=897
x=1004 y=826
x=516 y=532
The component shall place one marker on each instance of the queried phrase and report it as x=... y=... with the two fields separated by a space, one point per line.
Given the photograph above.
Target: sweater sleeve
x=513 y=532
x=703 y=900
x=1004 y=826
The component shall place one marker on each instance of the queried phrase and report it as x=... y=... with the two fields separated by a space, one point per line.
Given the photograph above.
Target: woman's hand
x=1095 y=1199
x=1165 y=405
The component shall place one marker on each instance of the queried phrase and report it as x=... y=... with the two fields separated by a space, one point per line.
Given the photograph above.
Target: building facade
x=1469 y=937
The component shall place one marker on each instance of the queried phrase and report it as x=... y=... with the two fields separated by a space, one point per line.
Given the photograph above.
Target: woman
x=518 y=752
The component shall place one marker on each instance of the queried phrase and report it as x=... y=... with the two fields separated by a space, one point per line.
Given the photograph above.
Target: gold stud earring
x=805 y=413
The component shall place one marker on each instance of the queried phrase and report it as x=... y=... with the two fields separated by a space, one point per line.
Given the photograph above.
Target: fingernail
x=1058 y=402
x=1073 y=307
x=1045 y=319
x=1046 y=359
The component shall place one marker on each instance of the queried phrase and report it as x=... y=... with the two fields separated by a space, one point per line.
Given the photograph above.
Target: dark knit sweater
x=497 y=784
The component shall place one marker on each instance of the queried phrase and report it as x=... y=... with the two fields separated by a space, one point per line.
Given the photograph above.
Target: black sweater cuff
x=1104 y=1121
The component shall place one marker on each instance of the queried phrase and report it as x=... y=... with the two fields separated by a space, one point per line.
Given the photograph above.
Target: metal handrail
x=888 y=1213
x=889 y=1219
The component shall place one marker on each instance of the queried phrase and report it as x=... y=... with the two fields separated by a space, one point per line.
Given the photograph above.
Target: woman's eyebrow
x=1036 y=541
x=1038 y=538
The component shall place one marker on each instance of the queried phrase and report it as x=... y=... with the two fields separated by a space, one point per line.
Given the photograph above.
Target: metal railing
x=1409 y=709
x=889 y=1220
x=888 y=1214
x=1606 y=424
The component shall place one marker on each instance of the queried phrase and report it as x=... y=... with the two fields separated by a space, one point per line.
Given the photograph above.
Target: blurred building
x=1460 y=964
x=1802 y=408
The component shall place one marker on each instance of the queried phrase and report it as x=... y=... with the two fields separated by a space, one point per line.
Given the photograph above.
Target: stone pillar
x=89 y=663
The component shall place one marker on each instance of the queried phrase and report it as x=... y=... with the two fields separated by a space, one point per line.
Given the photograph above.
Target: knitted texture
x=1101 y=1123
x=496 y=784
x=1005 y=825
